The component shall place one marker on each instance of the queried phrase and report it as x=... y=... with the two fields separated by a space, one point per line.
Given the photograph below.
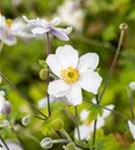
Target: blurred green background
x=100 y=33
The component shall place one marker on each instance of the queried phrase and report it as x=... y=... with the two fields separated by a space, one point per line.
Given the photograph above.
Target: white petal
x=43 y=102
x=132 y=128
x=56 y=21
x=132 y=85
x=84 y=132
x=84 y=115
x=58 y=88
x=67 y=55
x=40 y=30
x=2 y=21
x=106 y=113
x=90 y=81
x=88 y=61
x=10 y=40
x=68 y=30
x=75 y=95
x=2 y=100
x=54 y=64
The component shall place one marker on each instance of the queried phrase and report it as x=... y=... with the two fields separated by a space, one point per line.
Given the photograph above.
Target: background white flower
x=11 y=29
x=87 y=128
x=132 y=128
x=11 y=145
x=5 y=106
x=132 y=85
x=2 y=100
x=41 y=27
x=74 y=74
x=43 y=102
x=71 y=14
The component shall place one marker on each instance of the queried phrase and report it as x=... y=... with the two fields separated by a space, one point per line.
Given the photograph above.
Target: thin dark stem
x=95 y=126
x=77 y=122
x=48 y=73
x=117 y=113
x=131 y=104
x=4 y=143
x=94 y=133
x=22 y=95
x=38 y=117
x=123 y=28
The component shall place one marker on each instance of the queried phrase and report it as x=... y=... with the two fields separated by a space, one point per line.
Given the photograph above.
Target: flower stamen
x=70 y=75
x=9 y=22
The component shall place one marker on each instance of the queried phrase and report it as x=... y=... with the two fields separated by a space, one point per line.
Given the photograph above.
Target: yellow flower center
x=70 y=75
x=9 y=22
x=87 y=122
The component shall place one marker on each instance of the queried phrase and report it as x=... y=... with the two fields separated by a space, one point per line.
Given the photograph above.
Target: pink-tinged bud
x=7 y=108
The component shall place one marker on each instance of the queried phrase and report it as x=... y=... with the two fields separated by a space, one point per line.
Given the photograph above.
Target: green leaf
x=95 y=111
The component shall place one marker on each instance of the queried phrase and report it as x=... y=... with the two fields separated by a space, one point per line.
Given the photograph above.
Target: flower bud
x=123 y=26
x=47 y=143
x=70 y=146
x=26 y=120
x=58 y=124
x=7 y=108
x=43 y=74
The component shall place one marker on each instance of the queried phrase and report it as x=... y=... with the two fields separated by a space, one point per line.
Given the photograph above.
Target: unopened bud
x=123 y=26
x=7 y=108
x=58 y=124
x=26 y=120
x=47 y=143
x=43 y=74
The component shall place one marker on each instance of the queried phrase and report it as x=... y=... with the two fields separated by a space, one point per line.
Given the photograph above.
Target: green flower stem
x=4 y=143
x=64 y=132
x=131 y=104
x=15 y=133
x=23 y=95
x=48 y=73
x=77 y=122
x=95 y=127
x=36 y=116
x=123 y=28
x=1 y=46
x=60 y=141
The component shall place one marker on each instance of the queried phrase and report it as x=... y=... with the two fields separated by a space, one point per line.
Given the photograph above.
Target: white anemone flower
x=132 y=128
x=11 y=29
x=11 y=145
x=87 y=127
x=132 y=85
x=40 y=27
x=74 y=74
x=71 y=14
